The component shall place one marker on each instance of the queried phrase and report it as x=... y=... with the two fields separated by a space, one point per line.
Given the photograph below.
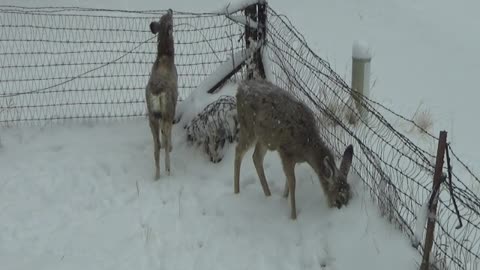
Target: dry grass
x=341 y=112
x=475 y=186
x=423 y=121
x=351 y=113
x=335 y=108
x=340 y=109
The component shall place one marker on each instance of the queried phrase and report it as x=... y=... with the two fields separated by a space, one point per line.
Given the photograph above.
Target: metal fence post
x=432 y=207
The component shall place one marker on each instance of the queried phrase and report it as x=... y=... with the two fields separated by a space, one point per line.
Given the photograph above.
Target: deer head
x=164 y=29
x=337 y=188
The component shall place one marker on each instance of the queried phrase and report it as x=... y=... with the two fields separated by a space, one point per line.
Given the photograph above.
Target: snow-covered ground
x=82 y=196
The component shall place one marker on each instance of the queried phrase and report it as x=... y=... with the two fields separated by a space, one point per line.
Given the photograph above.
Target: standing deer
x=162 y=91
x=272 y=119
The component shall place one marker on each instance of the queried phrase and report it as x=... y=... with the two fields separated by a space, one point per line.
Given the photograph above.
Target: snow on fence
x=64 y=63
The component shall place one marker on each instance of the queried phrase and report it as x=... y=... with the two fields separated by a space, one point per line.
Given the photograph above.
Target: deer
x=272 y=119
x=162 y=90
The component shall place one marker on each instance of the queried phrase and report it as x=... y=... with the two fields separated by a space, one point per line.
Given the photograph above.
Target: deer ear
x=346 y=161
x=155 y=27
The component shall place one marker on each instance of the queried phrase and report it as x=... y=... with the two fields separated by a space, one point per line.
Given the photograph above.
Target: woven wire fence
x=63 y=63
x=76 y=63
x=397 y=170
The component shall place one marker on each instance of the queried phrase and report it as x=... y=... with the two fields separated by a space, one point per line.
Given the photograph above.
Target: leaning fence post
x=256 y=35
x=250 y=33
x=262 y=36
x=432 y=206
x=361 y=58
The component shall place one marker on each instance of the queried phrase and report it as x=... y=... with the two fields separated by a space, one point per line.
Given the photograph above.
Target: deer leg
x=242 y=147
x=154 y=127
x=285 y=190
x=258 y=156
x=289 y=169
x=166 y=137
x=167 y=141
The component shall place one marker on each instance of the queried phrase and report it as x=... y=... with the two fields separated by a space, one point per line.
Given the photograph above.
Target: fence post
x=432 y=207
x=262 y=36
x=256 y=34
x=361 y=58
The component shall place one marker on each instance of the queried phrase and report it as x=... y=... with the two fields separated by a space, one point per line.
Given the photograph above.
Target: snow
x=82 y=196
x=243 y=20
x=420 y=224
x=267 y=63
x=232 y=7
x=422 y=54
x=222 y=71
x=361 y=50
x=200 y=97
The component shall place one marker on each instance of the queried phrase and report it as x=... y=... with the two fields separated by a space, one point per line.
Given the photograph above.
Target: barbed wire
x=61 y=55
x=397 y=170
x=65 y=64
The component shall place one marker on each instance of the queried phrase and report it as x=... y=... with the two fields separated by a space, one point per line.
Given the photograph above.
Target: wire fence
x=63 y=63
x=214 y=127
x=397 y=170
x=76 y=63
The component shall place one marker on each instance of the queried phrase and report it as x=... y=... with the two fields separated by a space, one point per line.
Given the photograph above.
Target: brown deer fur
x=162 y=90
x=272 y=119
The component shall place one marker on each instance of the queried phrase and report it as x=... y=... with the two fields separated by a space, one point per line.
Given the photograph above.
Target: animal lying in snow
x=215 y=126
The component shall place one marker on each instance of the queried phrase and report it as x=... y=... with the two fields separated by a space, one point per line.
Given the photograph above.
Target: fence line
x=397 y=171
x=74 y=63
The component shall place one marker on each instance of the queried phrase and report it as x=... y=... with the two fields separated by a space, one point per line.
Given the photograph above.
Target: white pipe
x=361 y=58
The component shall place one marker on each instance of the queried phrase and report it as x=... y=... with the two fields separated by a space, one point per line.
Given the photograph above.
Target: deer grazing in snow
x=162 y=90
x=272 y=119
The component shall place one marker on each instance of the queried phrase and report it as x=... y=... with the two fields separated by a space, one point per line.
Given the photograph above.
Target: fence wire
x=63 y=63
x=396 y=170
x=215 y=127
x=68 y=63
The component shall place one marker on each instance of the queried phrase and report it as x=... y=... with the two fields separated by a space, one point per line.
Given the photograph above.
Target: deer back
x=275 y=117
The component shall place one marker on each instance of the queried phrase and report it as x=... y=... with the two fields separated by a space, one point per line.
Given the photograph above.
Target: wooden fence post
x=432 y=206
x=262 y=36
x=258 y=34
x=260 y=17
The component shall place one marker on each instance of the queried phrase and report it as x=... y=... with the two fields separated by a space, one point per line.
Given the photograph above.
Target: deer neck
x=164 y=60
x=317 y=155
x=165 y=49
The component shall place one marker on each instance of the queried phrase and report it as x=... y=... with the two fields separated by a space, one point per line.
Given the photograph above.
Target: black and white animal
x=215 y=127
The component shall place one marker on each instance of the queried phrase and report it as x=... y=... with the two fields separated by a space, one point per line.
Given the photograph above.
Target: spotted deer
x=162 y=90
x=272 y=119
